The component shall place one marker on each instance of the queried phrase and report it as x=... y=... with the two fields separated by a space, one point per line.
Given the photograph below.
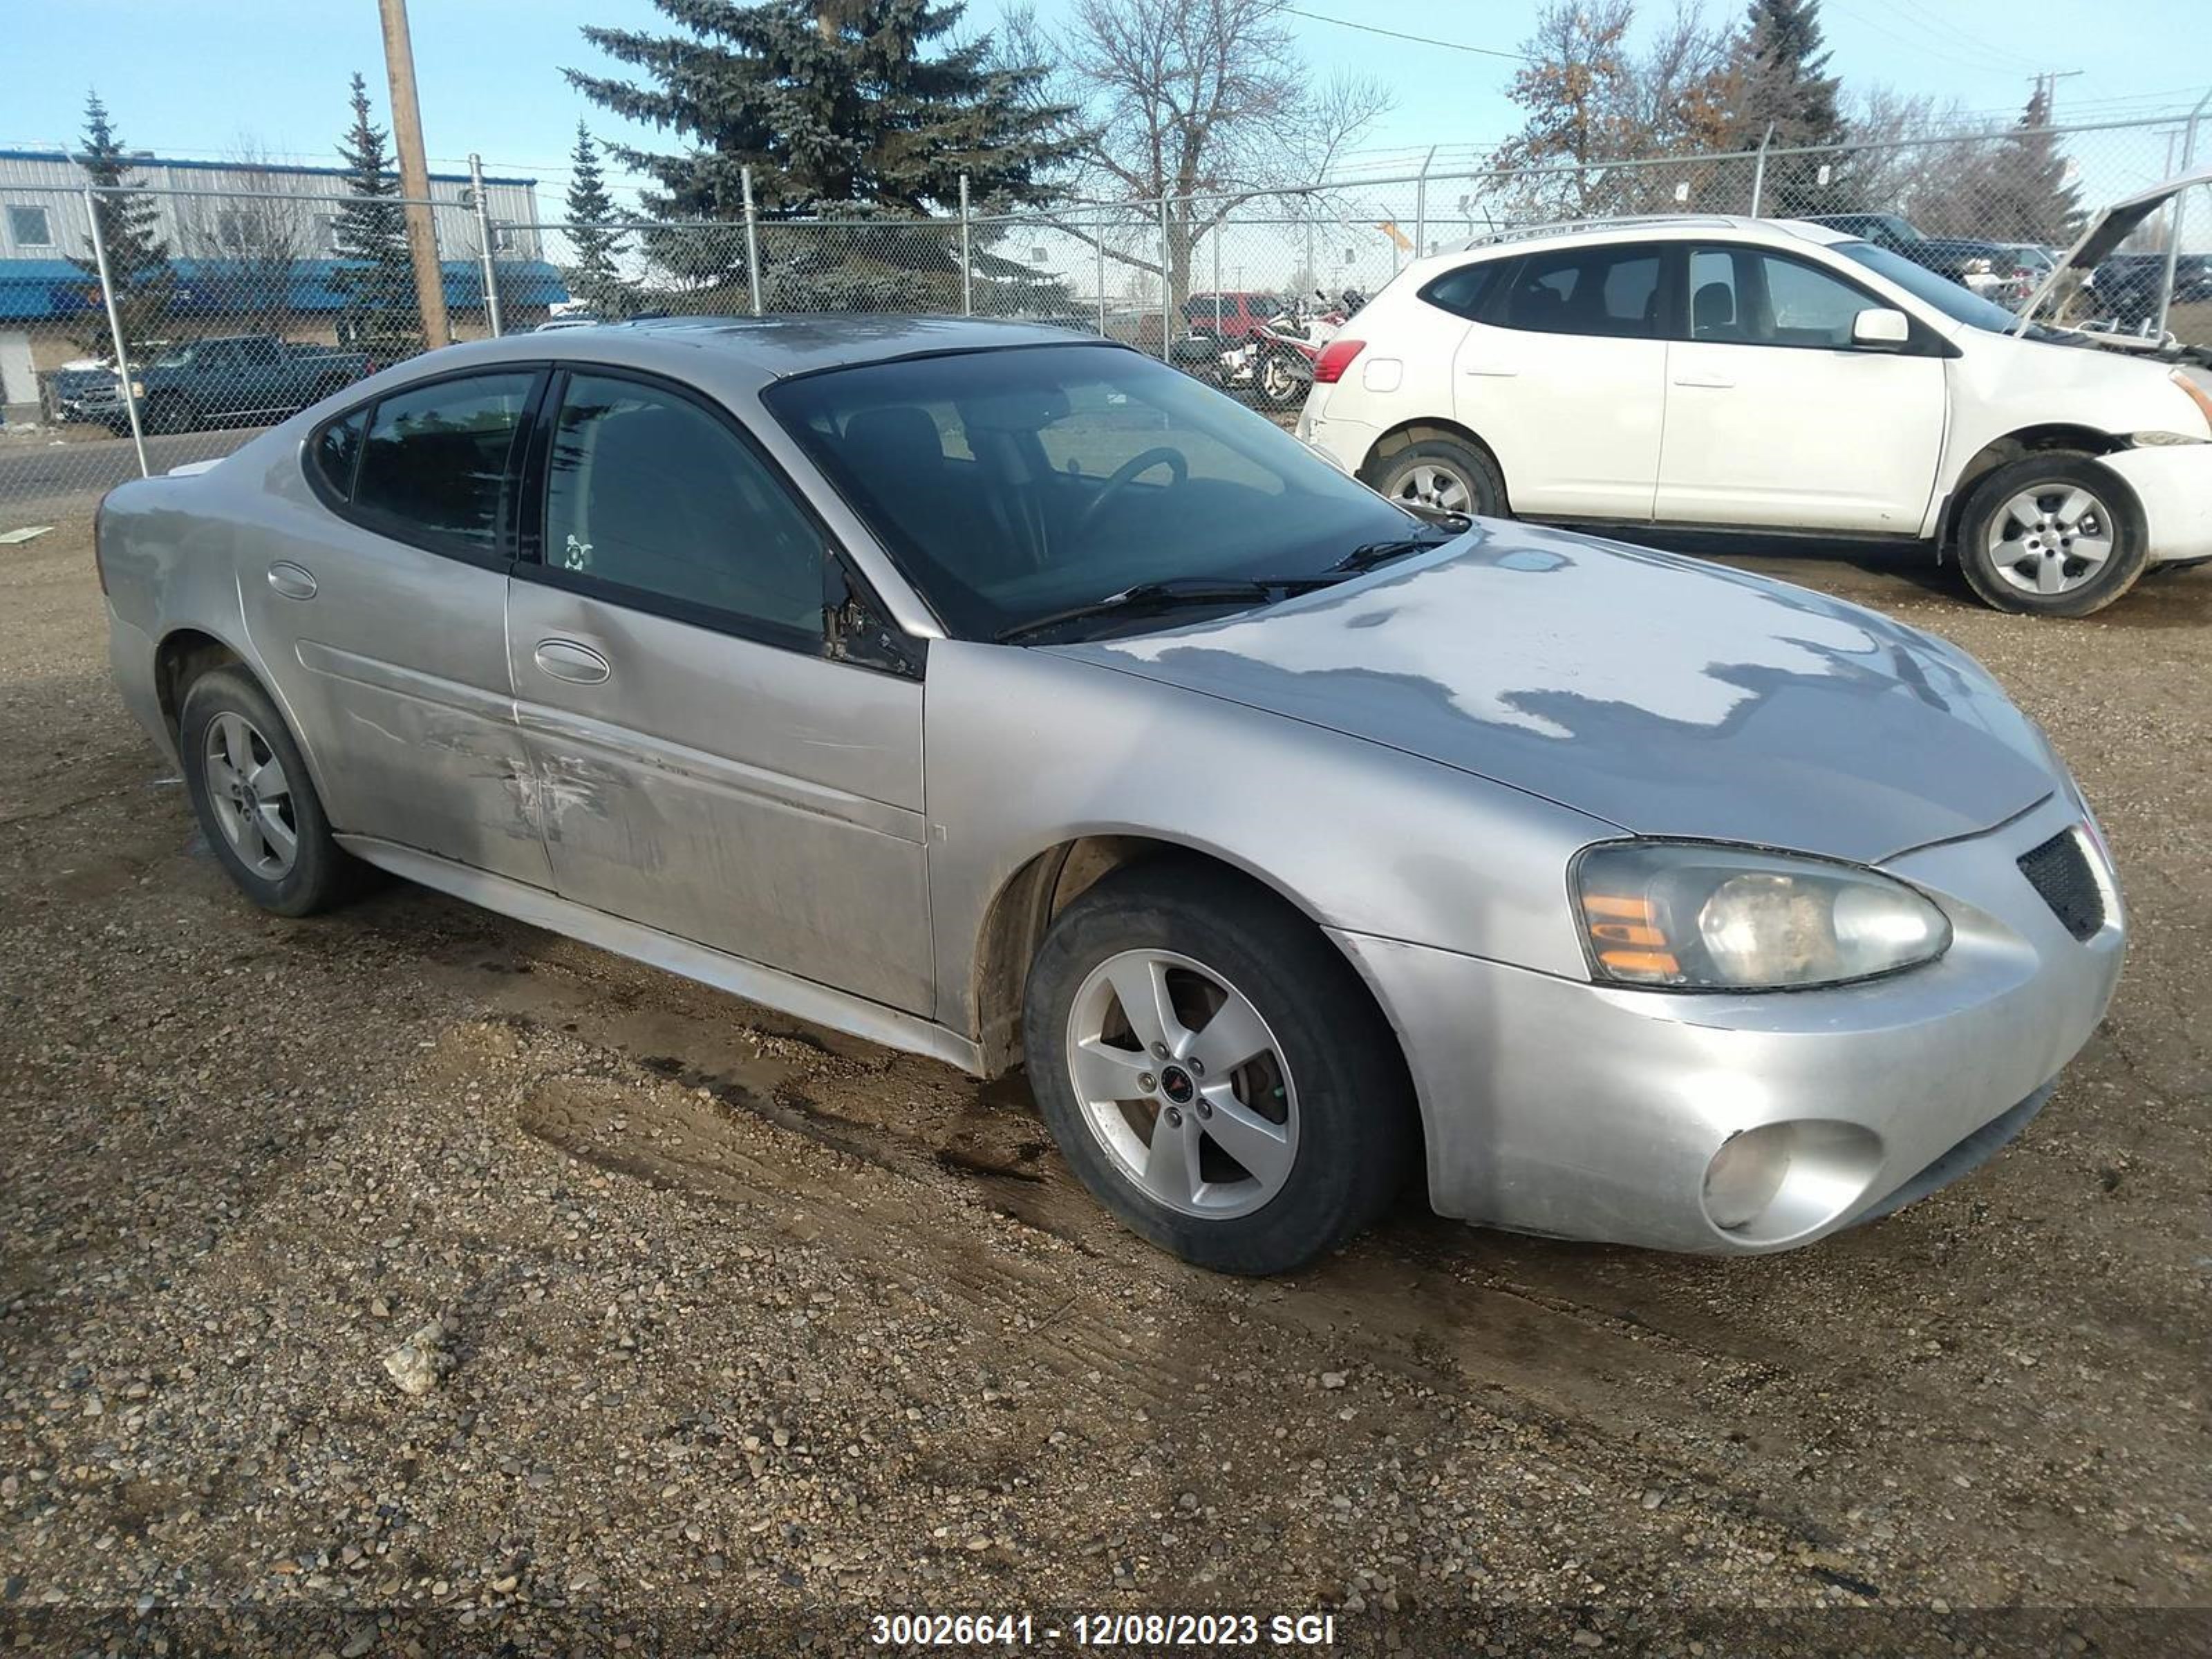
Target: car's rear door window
x=334 y=450
x=1613 y=291
x=435 y=468
x=652 y=494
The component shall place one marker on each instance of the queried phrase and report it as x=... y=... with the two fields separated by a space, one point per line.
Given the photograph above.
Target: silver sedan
x=1008 y=697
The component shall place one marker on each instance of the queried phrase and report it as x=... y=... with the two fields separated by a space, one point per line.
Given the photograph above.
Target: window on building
x=31 y=227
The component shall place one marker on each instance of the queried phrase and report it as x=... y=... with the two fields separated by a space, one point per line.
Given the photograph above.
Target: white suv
x=1747 y=373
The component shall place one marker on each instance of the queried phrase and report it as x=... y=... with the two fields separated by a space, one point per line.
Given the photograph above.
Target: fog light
x=1783 y=1180
x=1746 y=1174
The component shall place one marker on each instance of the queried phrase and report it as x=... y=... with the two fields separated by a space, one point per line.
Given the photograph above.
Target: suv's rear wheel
x=1214 y=1071
x=254 y=799
x=1441 y=474
x=2054 y=535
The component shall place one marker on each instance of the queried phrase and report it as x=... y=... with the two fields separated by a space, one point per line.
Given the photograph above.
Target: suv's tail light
x=1335 y=358
x=99 y=564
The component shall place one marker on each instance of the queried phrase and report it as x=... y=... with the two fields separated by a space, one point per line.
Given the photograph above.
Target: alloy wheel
x=1439 y=487
x=251 y=796
x=1183 y=1084
x=2050 y=539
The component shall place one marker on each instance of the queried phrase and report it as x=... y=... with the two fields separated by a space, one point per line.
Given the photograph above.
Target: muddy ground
x=737 y=1315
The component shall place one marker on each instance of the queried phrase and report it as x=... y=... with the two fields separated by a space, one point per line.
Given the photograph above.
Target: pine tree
x=138 y=254
x=593 y=277
x=856 y=106
x=370 y=233
x=2027 y=197
x=1775 y=70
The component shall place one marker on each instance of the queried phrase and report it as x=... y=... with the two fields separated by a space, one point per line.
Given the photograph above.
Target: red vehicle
x=1230 y=316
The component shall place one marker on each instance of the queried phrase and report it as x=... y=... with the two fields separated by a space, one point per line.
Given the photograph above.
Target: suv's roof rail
x=1627 y=222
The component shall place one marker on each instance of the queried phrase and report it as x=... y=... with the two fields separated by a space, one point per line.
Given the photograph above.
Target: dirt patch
x=736 y=1314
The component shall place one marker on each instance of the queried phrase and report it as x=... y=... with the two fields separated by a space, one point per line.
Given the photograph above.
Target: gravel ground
x=715 y=1316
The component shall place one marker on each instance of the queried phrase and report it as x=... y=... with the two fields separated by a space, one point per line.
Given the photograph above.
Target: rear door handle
x=1703 y=379
x=294 y=582
x=566 y=659
x=1492 y=373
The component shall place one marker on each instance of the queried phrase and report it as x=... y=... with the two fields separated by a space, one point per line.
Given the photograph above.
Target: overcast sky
x=196 y=77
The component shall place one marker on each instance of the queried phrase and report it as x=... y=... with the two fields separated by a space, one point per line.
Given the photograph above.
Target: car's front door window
x=650 y=492
x=1745 y=296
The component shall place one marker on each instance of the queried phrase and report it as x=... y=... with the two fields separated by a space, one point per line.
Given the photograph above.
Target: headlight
x=138 y=388
x=1706 y=918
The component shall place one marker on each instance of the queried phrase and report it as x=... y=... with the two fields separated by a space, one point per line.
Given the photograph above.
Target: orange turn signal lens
x=1629 y=941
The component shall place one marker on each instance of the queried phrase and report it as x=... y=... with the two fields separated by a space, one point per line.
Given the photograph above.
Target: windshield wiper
x=1368 y=555
x=1176 y=592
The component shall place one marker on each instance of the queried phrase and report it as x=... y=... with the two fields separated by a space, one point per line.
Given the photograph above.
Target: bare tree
x=1593 y=103
x=1202 y=104
x=257 y=237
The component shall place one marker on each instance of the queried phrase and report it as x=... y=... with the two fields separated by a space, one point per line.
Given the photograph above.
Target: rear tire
x=2053 y=534
x=1302 y=1130
x=256 y=803
x=1441 y=474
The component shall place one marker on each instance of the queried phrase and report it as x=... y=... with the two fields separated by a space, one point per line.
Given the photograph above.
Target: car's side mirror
x=1880 y=327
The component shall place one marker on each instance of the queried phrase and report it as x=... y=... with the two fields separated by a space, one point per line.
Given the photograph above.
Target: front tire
x=1214 y=1071
x=256 y=804
x=2053 y=535
x=1441 y=474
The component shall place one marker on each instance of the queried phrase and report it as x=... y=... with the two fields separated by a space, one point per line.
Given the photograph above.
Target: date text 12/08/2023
x=1103 y=1630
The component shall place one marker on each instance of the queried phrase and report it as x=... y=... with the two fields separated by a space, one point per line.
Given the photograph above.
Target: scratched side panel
x=755 y=799
x=397 y=670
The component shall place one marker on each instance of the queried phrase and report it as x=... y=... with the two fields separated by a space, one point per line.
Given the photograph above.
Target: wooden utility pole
x=414 y=172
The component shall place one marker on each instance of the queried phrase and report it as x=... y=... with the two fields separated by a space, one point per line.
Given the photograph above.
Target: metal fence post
x=1099 y=246
x=492 y=319
x=967 y=263
x=752 y=237
x=115 y=333
x=2173 y=224
x=1214 y=237
x=1421 y=206
x=1759 y=169
x=1167 y=287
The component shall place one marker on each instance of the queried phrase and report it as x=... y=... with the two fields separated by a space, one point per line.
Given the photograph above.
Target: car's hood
x=1668 y=696
x=2107 y=227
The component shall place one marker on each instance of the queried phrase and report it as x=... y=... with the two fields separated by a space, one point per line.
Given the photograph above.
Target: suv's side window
x=652 y=493
x=1612 y=291
x=1746 y=296
x=434 y=467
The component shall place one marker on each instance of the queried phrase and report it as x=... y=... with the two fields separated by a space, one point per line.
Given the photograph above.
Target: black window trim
x=1920 y=340
x=501 y=554
x=841 y=581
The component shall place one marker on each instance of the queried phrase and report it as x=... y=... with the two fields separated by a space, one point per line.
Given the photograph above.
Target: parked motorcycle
x=1277 y=360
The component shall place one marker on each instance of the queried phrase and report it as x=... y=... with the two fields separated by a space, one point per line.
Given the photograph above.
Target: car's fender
x=1026 y=750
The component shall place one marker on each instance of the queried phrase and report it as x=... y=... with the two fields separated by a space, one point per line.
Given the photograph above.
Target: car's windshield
x=1961 y=304
x=177 y=356
x=1012 y=485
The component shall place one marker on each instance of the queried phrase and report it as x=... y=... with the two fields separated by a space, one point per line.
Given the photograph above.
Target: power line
x=1418 y=40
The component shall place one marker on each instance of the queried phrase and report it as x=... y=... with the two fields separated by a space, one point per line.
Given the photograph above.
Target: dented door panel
x=744 y=796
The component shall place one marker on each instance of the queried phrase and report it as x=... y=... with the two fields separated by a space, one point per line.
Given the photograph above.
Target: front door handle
x=566 y=659
x=294 y=582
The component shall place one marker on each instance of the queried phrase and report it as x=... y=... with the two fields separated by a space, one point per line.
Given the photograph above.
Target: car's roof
x=800 y=344
x=1660 y=227
x=734 y=352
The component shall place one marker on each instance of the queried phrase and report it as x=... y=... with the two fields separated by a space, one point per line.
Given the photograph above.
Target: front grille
x=2059 y=870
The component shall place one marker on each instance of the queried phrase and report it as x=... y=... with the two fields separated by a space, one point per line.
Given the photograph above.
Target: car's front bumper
x=2173 y=482
x=1558 y=1106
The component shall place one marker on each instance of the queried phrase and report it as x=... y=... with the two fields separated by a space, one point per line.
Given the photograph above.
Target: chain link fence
x=264 y=301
